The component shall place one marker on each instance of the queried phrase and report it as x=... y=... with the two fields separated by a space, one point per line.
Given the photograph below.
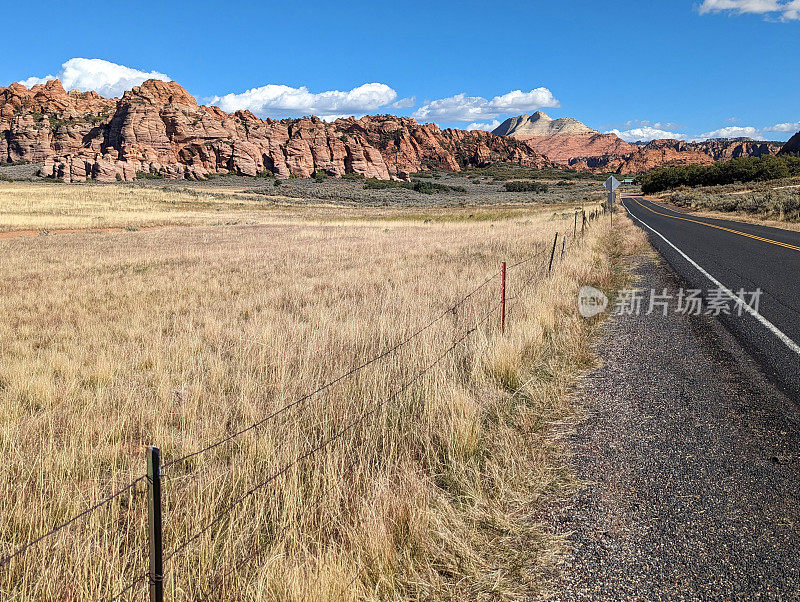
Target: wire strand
x=130 y=586
x=322 y=445
x=329 y=384
x=255 y=552
x=55 y=530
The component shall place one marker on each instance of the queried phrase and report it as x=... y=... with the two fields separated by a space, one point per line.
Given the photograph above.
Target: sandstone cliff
x=658 y=153
x=724 y=149
x=662 y=153
x=159 y=128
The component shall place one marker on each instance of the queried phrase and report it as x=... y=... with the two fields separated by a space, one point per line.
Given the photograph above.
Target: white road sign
x=611 y=184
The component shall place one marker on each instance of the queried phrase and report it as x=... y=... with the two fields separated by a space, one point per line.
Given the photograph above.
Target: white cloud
x=646 y=133
x=405 y=103
x=765 y=133
x=785 y=127
x=486 y=127
x=474 y=108
x=734 y=132
x=104 y=77
x=280 y=101
x=783 y=10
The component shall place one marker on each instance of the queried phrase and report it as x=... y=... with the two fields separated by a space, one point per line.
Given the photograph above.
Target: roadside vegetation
x=741 y=170
x=184 y=335
x=775 y=200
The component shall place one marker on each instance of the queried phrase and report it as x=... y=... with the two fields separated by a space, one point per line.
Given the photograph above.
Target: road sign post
x=611 y=184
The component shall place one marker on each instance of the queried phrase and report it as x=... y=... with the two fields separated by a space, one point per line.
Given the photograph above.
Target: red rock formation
x=657 y=153
x=159 y=128
x=45 y=121
x=573 y=144
x=562 y=148
x=724 y=149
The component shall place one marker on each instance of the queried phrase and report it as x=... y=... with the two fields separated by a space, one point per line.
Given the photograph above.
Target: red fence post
x=503 y=300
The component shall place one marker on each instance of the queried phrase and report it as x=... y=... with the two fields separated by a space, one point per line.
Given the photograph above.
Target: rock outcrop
x=159 y=128
x=657 y=153
x=793 y=146
x=725 y=149
x=563 y=148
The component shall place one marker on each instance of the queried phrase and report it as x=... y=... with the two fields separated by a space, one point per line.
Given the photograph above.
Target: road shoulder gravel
x=688 y=458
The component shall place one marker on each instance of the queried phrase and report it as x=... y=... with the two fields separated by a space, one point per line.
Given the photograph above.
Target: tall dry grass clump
x=178 y=337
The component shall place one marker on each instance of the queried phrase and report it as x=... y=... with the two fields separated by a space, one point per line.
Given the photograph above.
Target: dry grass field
x=232 y=200
x=421 y=487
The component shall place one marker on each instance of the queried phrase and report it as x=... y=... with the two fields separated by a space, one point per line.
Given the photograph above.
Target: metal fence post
x=563 y=246
x=583 y=221
x=156 y=574
x=552 y=254
x=575 y=226
x=503 y=300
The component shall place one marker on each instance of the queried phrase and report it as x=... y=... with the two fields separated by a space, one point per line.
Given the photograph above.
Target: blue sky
x=689 y=68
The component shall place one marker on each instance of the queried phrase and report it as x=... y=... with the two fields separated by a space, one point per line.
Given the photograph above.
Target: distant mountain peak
x=540 y=116
x=541 y=125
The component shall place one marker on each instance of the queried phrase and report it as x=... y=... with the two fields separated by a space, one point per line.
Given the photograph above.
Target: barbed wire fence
x=159 y=563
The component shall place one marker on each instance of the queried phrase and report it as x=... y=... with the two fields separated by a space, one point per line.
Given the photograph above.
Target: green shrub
x=148 y=175
x=525 y=186
x=430 y=187
x=423 y=187
x=353 y=176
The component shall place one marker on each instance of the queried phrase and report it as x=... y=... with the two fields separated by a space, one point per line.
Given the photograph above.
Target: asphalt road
x=711 y=253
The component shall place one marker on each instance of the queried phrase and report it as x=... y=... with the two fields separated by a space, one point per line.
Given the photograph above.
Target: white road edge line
x=769 y=325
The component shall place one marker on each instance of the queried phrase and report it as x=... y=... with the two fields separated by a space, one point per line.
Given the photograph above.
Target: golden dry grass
x=176 y=337
x=56 y=206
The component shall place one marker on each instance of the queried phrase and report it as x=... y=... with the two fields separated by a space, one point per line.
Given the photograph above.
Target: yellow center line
x=694 y=221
